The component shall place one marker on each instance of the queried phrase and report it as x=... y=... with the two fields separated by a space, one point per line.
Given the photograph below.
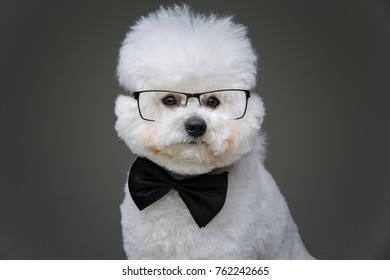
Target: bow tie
x=204 y=195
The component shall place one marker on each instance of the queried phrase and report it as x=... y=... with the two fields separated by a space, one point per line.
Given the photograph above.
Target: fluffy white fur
x=176 y=49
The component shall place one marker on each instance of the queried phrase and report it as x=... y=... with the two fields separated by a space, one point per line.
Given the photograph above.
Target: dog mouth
x=195 y=142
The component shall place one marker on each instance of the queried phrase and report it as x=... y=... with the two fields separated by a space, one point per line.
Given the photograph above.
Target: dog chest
x=166 y=230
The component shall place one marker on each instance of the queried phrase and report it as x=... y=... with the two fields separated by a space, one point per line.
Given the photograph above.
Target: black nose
x=195 y=126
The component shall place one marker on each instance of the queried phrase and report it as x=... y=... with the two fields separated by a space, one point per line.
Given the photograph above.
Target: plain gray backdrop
x=324 y=77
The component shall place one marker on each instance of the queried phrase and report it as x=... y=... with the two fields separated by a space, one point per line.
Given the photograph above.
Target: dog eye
x=169 y=100
x=212 y=102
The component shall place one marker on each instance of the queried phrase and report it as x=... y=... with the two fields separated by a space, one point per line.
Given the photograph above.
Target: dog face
x=188 y=76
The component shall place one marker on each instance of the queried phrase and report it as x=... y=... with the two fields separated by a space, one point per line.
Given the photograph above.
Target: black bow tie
x=204 y=195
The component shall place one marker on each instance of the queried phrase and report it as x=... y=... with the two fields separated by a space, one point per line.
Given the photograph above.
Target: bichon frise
x=198 y=189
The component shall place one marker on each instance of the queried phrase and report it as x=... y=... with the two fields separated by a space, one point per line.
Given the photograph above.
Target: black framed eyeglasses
x=154 y=105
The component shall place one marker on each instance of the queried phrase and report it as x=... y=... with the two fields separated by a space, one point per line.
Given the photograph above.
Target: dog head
x=189 y=77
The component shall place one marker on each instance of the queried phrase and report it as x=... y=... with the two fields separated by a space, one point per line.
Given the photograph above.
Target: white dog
x=199 y=189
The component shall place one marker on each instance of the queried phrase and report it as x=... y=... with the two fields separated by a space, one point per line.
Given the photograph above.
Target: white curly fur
x=177 y=49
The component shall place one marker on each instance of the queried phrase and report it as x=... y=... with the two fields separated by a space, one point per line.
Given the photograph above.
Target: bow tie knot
x=204 y=195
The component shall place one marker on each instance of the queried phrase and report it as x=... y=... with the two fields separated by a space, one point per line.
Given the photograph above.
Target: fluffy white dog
x=199 y=189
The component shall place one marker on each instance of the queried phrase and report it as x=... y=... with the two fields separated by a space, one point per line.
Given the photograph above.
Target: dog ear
x=126 y=110
x=255 y=110
x=125 y=104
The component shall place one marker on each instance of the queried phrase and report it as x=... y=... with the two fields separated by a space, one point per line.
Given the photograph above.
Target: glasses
x=154 y=105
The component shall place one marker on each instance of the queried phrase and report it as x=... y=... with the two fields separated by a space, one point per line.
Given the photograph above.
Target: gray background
x=324 y=77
